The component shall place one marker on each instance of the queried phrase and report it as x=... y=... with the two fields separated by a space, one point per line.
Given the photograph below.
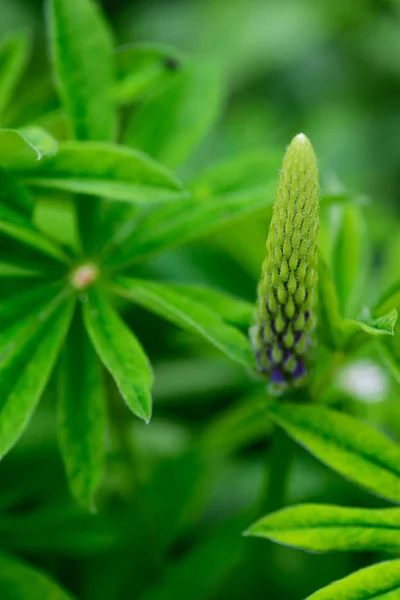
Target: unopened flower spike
x=283 y=337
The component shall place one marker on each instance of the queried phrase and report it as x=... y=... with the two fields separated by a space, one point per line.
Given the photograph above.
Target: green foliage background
x=177 y=494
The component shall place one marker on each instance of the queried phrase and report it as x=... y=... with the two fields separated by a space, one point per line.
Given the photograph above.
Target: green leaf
x=389 y=299
x=15 y=197
x=24 y=375
x=349 y=256
x=248 y=171
x=189 y=314
x=380 y=582
x=19 y=581
x=13 y=58
x=188 y=220
x=353 y=449
x=21 y=316
x=121 y=353
x=390 y=352
x=108 y=170
x=81 y=49
x=22 y=148
x=173 y=122
x=324 y=528
x=28 y=236
x=329 y=319
x=234 y=311
x=143 y=69
x=339 y=333
x=81 y=414
x=12 y=269
x=354 y=332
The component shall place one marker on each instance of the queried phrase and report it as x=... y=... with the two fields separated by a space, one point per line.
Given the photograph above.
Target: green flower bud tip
x=283 y=335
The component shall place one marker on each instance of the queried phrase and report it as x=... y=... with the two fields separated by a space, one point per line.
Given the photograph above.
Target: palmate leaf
x=380 y=582
x=353 y=449
x=13 y=269
x=346 y=334
x=349 y=256
x=192 y=315
x=324 y=528
x=19 y=581
x=170 y=124
x=144 y=68
x=24 y=375
x=82 y=54
x=234 y=311
x=120 y=352
x=184 y=221
x=21 y=148
x=107 y=170
x=15 y=196
x=13 y=58
x=29 y=236
x=21 y=317
x=81 y=414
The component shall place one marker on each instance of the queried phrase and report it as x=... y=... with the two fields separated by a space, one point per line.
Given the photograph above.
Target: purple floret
x=300 y=370
x=277 y=376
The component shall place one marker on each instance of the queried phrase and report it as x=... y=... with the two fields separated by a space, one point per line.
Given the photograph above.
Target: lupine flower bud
x=283 y=336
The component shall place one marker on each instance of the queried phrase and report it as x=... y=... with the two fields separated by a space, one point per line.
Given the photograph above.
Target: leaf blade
x=377 y=583
x=81 y=415
x=103 y=169
x=79 y=42
x=20 y=148
x=125 y=360
x=19 y=580
x=160 y=126
x=174 y=306
x=23 y=381
x=331 y=528
x=353 y=449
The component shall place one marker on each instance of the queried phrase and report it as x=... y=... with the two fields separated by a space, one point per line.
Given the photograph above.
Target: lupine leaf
x=82 y=54
x=389 y=299
x=108 y=170
x=19 y=581
x=353 y=449
x=81 y=414
x=13 y=58
x=188 y=220
x=173 y=122
x=349 y=257
x=357 y=332
x=329 y=319
x=190 y=314
x=33 y=239
x=339 y=333
x=234 y=311
x=324 y=528
x=251 y=170
x=24 y=376
x=21 y=317
x=390 y=352
x=14 y=197
x=12 y=269
x=144 y=68
x=121 y=354
x=21 y=148
x=380 y=582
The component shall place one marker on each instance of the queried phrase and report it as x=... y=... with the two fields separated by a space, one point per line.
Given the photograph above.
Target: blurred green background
x=178 y=493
